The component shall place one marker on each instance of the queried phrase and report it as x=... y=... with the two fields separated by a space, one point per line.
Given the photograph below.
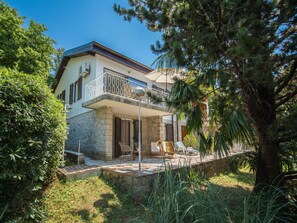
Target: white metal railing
x=109 y=83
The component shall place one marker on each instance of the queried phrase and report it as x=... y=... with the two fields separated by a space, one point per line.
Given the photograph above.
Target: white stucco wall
x=71 y=75
x=98 y=63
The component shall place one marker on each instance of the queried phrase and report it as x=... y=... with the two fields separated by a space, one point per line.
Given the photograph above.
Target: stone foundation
x=93 y=130
x=140 y=185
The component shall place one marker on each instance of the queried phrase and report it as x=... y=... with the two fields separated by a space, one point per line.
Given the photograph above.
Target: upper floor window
x=62 y=96
x=155 y=87
x=75 y=91
x=136 y=83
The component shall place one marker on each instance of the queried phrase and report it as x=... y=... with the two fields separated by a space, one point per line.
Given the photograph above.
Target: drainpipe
x=172 y=127
x=177 y=139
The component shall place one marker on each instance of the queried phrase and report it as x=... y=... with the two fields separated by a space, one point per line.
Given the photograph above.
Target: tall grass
x=179 y=196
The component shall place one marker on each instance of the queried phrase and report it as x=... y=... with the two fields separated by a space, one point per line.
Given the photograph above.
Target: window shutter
x=79 y=92
x=71 y=94
x=75 y=91
x=63 y=96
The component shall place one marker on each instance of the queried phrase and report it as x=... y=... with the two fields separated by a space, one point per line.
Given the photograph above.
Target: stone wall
x=156 y=129
x=94 y=132
x=140 y=186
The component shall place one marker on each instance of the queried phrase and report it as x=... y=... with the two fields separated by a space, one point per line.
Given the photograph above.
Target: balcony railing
x=109 y=83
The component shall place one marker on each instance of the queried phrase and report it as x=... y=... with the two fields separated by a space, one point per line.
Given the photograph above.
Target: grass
x=91 y=200
x=186 y=198
x=227 y=198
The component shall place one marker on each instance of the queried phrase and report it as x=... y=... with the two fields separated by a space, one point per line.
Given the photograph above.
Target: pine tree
x=244 y=50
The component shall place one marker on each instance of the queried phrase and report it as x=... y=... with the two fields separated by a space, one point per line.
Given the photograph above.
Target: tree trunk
x=260 y=101
x=268 y=166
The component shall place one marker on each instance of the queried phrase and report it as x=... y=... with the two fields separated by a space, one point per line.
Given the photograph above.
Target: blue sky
x=75 y=22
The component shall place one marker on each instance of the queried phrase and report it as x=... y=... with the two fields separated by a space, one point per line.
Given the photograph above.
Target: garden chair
x=144 y=152
x=181 y=148
x=167 y=149
x=126 y=151
x=156 y=149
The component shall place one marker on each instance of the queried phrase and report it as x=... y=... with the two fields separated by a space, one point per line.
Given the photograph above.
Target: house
x=96 y=84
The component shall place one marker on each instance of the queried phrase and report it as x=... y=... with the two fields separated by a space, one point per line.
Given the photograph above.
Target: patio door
x=122 y=134
x=126 y=132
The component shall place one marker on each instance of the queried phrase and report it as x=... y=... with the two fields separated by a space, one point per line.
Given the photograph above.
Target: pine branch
x=290 y=31
x=287 y=138
x=290 y=175
x=288 y=78
x=286 y=98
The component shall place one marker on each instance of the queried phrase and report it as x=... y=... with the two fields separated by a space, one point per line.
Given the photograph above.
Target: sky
x=72 y=23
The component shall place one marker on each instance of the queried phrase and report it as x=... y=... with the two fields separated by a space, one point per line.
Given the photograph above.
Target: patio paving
x=139 y=184
x=150 y=165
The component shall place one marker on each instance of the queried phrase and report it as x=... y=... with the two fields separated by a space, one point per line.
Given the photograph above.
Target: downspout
x=172 y=117
x=177 y=139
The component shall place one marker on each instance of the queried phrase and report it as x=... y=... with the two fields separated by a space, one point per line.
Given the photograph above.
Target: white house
x=96 y=84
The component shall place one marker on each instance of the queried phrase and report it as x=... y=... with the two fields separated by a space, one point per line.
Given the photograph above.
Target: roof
x=94 y=48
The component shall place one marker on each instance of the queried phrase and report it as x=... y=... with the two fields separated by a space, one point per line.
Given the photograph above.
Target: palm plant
x=226 y=122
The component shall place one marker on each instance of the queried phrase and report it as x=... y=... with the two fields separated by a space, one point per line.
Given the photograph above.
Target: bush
x=32 y=132
x=180 y=196
x=190 y=140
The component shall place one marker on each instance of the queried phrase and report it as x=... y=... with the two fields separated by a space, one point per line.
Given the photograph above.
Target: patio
x=152 y=165
x=140 y=183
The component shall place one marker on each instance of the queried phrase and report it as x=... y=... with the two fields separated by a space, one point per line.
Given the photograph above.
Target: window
x=155 y=87
x=136 y=83
x=62 y=96
x=75 y=91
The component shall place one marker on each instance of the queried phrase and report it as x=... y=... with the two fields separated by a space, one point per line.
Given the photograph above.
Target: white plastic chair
x=180 y=147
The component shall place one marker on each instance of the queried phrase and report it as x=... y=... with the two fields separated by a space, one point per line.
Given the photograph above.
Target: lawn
x=94 y=200
x=91 y=200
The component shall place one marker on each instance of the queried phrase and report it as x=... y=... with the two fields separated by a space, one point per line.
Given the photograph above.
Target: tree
x=57 y=58
x=26 y=49
x=32 y=119
x=245 y=50
x=32 y=133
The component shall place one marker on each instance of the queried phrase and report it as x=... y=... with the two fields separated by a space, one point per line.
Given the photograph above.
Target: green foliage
x=32 y=132
x=190 y=140
x=26 y=49
x=244 y=54
x=178 y=197
x=57 y=58
x=288 y=129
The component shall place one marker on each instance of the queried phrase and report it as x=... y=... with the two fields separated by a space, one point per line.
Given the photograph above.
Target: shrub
x=32 y=131
x=180 y=196
x=190 y=140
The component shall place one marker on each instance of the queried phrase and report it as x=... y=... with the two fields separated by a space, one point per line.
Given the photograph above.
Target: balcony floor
x=126 y=106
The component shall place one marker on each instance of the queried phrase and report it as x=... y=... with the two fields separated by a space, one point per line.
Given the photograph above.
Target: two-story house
x=96 y=83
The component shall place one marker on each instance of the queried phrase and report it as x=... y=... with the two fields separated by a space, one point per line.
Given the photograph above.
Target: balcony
x=110 y=89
